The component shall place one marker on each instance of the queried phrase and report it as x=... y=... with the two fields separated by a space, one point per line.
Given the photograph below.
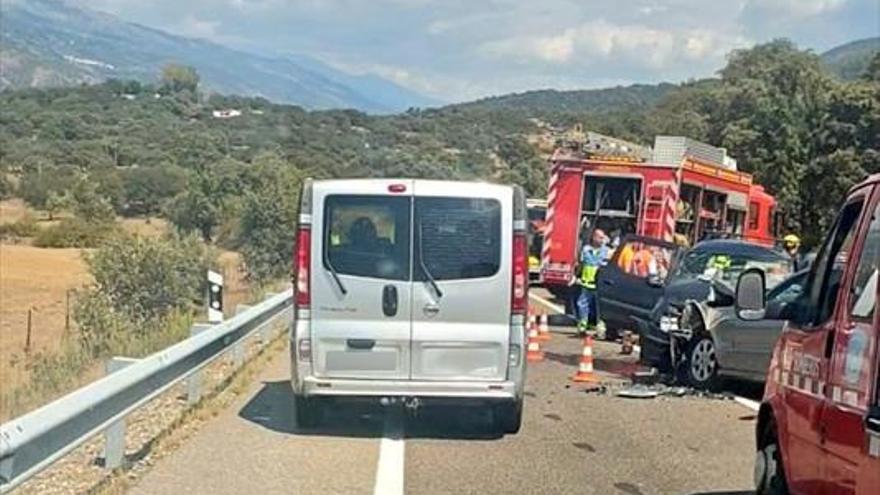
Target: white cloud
x=595 y=42
x=797 y=8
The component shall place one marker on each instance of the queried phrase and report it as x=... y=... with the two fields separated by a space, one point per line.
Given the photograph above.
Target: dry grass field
x=39 y=279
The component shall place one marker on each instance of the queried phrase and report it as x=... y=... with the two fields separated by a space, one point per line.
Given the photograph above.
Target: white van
x=410 y=290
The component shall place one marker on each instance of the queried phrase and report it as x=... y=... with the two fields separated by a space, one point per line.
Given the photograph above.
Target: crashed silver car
x=717 y=343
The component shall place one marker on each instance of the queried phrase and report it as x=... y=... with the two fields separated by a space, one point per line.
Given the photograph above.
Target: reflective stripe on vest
x=588 y=276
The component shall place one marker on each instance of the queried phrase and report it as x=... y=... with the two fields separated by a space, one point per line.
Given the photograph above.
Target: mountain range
x=55 y=43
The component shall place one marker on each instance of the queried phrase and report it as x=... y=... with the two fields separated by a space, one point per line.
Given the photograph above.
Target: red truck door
x=562 y=223
x=806 y=353
x=853 y=370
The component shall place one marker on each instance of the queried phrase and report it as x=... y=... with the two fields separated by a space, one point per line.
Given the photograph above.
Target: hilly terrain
x=49 y=43
x=849 y=61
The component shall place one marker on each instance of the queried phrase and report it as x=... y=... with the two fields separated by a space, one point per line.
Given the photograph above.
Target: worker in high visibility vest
x=717 y=265
x=593 y=256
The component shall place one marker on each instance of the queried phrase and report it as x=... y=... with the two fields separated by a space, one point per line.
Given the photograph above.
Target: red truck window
x=754 y=208
x=865 y=283
x=831 y=263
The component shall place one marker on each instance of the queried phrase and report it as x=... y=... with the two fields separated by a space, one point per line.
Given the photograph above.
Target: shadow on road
x=273 y=408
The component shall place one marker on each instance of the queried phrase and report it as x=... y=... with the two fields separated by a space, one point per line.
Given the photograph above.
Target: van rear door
x=361 y=289
x=462 y=236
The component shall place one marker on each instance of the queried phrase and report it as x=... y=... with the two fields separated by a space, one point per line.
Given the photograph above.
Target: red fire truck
x=680 y=189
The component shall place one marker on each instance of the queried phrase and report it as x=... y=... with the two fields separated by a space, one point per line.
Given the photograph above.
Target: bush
x=75 y=232
x=26 y=227
x=146 y=279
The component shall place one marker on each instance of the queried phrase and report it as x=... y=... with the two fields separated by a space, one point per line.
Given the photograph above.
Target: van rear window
x=458 y=238
x=367 y=236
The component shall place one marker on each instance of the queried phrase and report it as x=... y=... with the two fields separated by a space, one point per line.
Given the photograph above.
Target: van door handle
x=431 y=309
x=364 y=344
x=389 y=300
x=608 y=282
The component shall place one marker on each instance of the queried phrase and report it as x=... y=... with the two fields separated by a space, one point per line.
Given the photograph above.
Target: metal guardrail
x=37 y=439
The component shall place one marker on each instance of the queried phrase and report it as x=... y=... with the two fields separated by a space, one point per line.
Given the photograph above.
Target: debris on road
x=638 y=392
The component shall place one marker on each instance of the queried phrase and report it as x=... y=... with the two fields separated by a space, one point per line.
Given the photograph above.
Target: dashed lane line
x=390 y=468
x=751 y=404
x=547 y=303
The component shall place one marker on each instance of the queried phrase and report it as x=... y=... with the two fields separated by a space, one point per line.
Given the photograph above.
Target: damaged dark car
x=653 y=298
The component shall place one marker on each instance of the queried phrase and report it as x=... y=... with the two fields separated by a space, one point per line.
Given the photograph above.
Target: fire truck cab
x=680 y=190
x=818 y=428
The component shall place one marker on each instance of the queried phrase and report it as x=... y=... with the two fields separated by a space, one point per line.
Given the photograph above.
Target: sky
x=457 y=50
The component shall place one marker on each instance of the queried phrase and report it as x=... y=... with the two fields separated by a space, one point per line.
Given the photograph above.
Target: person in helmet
x=792 y=245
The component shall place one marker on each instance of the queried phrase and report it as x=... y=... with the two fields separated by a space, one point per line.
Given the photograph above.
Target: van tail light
x=519 y=297
x=302 y=264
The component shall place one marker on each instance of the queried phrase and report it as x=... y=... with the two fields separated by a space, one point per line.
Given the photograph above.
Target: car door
x=361 y=279
x=625 y=291
x=752 y=342
x=806 y=355
x=845 y=442
x=462 y=281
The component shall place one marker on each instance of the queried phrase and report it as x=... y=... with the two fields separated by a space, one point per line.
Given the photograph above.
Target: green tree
x=88 y=204
x=769 y=104
x=55 y=203
x=147 y=188
x=177 y=77
x=268 y=220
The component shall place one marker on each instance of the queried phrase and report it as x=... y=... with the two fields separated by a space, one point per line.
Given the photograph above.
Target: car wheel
x=701 y=363
x=769 y=473
x=508 y=417
x=306 y=413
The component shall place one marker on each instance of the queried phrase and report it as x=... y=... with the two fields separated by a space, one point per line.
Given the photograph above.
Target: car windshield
x=727 y=265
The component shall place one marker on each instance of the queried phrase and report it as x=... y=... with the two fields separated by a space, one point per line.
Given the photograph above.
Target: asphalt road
x=571 y=442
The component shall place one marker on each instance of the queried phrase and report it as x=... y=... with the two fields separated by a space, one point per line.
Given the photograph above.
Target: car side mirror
x=750 y=295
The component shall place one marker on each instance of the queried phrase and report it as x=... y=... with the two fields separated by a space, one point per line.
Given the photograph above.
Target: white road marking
x=751 y=404
x=390 y=469
x=547 y=303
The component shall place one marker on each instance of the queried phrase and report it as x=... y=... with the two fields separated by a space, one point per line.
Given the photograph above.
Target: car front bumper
x=654 y=344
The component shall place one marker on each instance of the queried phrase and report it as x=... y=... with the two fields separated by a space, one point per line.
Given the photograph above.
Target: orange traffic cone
x=534 y=352
x=544 y=328
x=585 y=367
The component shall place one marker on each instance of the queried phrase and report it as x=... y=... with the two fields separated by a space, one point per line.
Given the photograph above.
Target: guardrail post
x=114 y=435
x=239 y=347
x=194 y=381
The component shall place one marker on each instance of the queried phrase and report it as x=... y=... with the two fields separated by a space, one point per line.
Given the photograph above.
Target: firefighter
x=792 y=245
x=718 y=264
x=593 y=256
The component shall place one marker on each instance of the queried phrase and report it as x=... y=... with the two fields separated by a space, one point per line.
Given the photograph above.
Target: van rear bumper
x=504 y=390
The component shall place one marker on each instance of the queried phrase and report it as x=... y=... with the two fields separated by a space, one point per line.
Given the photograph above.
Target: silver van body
x=409 y=292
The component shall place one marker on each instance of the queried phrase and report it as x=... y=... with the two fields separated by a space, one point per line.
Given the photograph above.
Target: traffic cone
x=534 y=352
x=544 y=328
x=585 y=367
x=626 y=343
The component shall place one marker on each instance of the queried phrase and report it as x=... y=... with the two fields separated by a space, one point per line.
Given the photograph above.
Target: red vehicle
x=818 y=428
x=679 y=190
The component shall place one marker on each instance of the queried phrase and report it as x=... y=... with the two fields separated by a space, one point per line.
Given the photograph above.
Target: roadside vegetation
x=87 y=159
